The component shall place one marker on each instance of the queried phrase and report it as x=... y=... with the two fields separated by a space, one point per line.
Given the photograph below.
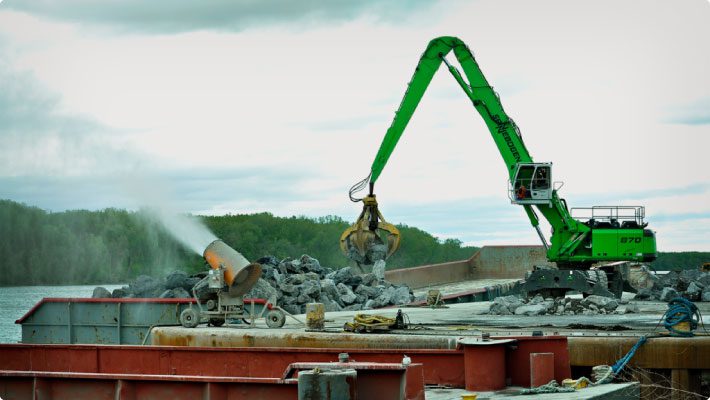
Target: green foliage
x=74 y=247
x=112 y=246
x=681 y=260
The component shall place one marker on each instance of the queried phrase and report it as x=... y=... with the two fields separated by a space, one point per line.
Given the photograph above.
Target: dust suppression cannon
x=220 y=294
x=231 y=269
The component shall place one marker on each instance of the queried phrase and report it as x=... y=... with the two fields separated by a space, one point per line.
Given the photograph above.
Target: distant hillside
x=111 y=245
x=681 y=260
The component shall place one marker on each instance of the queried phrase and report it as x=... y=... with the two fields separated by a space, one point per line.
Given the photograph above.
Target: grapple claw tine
x=361 y=238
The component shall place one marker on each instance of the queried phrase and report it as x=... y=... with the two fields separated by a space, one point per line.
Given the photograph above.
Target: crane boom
x=504 y=130
x=609 y=233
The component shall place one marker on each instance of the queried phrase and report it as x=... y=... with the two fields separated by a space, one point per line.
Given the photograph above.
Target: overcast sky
x=280 y=106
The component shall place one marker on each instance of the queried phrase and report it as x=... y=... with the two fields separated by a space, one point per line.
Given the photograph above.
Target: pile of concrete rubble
x=694 y=285
x=591 y=305
x=291 y=283
x=295 y=282
x=176 y=285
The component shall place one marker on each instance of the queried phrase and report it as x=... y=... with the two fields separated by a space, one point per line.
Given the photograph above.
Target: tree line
x=680 y=260
x=115 y=246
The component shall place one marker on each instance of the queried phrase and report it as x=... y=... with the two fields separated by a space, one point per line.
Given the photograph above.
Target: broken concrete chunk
x=100 y=293
x=668 y=294
x=328 y=287
x=368 y=279
x=311 y=288
x=378 y=269
x=262 y=290
x=536 y=300
x=632 y=308
x=310 y=264
x=401 y=296
x=346 y=294
x=331 y=305
x=288 y=288
x=499 y=309
x=292 y=308
x=510 y=303
x=268 y=261
x=303 y=299
x=291 y=283
x=531 y=309
x=342 y=275
x=368 y=291
x=647 y=294
x=694 y=291
x=175 y=279
x=600 y=302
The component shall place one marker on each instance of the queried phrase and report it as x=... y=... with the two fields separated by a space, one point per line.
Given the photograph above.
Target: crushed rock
x=591 y=305
x=693 y=285
x=289 y=283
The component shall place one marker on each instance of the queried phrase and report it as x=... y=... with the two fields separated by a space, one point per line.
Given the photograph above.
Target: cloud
x=37 y=137
x=192 y=190
x=342 y=124
x=185 y=15
x=475 y=221
x=639 y=196
x=676 y=214
x=695 y=113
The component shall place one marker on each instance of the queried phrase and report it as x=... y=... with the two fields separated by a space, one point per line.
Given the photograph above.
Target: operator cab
x=532 y=184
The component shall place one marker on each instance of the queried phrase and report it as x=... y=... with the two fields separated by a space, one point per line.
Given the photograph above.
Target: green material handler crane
x=596 y=235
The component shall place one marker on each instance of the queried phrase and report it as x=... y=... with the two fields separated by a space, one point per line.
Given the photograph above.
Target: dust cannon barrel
x=239 y=274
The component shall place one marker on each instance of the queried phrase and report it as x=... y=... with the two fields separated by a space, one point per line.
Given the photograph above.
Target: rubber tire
x=598 y=276
x=275 y=319
x=189 y=318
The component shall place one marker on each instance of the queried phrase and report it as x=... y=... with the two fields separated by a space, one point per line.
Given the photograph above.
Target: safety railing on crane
x=611 y=216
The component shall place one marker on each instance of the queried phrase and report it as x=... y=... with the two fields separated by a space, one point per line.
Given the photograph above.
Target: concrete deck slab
x=464 y=286
x=612 y=391
x=429 y=327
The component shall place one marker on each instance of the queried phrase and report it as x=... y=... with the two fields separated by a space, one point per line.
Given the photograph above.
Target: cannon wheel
x=189 y=318
x=275 y=319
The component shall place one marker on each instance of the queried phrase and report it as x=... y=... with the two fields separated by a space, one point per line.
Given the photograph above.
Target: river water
x=15 y=301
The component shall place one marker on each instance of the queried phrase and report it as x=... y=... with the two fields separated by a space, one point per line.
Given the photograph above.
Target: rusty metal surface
x=518 y=362
x=435 y=274
x=485 y=366
x=657 y=353
x=439 y=366
x=374 y=381
x=506 y=261
x=220 y=337
x=542 y=368
x=489 y=262
x=93 y=386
